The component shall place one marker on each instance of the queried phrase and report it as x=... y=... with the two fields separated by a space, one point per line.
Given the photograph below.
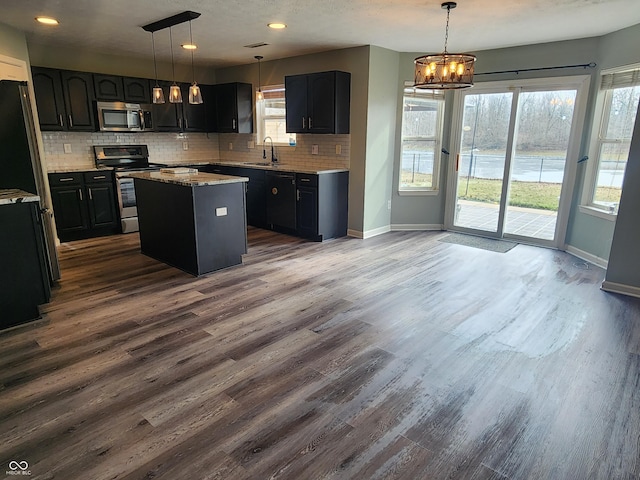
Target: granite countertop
x=279 y=167
x=189 y=179
x=75 y=169
x=13 y=195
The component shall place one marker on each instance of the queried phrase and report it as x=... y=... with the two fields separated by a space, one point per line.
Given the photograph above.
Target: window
x=620 y=92
x=270 y=113
x=422 y=114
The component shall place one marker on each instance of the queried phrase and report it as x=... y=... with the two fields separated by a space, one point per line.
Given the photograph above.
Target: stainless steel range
x=125 y=160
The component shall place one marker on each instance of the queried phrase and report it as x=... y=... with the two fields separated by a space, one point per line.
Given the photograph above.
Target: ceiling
x=226 y=27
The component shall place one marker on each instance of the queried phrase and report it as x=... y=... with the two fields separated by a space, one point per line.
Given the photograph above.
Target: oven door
x=127 y=202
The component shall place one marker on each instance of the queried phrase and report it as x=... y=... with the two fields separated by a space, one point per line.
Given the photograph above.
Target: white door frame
x=578 y=82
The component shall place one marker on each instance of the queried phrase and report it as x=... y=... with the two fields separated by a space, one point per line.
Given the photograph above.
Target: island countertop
x=13 y=195
x=197 y=179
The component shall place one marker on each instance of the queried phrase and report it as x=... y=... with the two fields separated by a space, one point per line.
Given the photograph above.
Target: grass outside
x=539 y=195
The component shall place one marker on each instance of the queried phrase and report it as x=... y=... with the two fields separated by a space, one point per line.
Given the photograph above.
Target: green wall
x=13 y=43
x=353 y=60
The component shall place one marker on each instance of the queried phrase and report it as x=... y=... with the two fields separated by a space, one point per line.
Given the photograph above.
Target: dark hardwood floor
x=399 y=356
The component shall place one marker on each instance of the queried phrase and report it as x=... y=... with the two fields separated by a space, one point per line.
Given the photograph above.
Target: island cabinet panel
x=24 y=274
x=198 y=229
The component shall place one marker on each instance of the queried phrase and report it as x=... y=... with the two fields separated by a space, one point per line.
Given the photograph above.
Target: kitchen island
x=193 y=221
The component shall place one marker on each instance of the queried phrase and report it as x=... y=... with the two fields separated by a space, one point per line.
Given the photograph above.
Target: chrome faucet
x=264 y=152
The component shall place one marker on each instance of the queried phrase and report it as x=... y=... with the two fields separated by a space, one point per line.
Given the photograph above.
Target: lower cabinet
x=312 y=206
x=84 y=204
x=322 y=205
x=24 y=274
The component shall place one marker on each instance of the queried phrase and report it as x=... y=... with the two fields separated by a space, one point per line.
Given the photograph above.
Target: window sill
x=418 y=193
x=596 y=212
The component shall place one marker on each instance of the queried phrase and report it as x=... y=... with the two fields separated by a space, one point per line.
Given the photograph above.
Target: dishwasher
x=281 y=199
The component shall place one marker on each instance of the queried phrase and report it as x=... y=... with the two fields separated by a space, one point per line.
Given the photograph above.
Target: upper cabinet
x=112 y=88
x=234 y=108
x=136 y=90
x=318 y=102
x=49 y=98
x=78 y=100
x=64 y=99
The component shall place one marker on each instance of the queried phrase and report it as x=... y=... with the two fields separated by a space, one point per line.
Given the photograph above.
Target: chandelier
x=445 y=70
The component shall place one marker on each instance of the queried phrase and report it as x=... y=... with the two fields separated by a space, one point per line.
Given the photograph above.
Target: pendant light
x=175 y=95
x=445 y=70
x=195 y=96
x=259 y=95
x=158 y=94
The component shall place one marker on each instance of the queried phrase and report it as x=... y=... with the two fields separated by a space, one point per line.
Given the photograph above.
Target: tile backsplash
x=169 y=148
x=166 y=148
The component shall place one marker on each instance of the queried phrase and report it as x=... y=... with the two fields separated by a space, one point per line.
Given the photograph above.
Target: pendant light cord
x=155 y=66
x=173 y=67
x=193 y=70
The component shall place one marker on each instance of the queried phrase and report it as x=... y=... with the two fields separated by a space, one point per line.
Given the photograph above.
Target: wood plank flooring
x=396 y=357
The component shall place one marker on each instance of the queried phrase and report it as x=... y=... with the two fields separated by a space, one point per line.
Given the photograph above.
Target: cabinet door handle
x=80 y=192
x=310 y=123
x=234 y=123
x=297 y=195
x=186 y=123
x=180 y=123
x=90 y=194
x=305 y=179
x=303 y=123
x=70 y=122
x=101 y=177
x=60 y=120
x=66 y=179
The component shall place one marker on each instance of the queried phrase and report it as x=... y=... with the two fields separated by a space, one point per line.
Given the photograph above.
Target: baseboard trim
x=369 y=233
x=399 y=227
x=576 y=252
x=621 y=288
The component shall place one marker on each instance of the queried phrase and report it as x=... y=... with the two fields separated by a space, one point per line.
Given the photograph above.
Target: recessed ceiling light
x=47 y=20
x=189 y=46
x=277 y=26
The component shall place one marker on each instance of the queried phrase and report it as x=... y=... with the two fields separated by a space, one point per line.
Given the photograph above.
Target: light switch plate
x=251 y=144
x=338 y=149
x=221 y=212
x=185 y=145
x=67 y=148
x=230 y=146
x=314 y=149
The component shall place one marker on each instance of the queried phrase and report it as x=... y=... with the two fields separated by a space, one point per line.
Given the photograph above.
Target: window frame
x=261 y=116
x=601 y=115
x=439 y=97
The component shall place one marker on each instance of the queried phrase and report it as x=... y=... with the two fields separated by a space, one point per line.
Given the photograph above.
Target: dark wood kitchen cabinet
x=24 y=274
x=184 y=117
x=113 y=88
x=318 y=102
x=84 y=204
x=322 y=205
x=47 y=85
x=78 y=100
x=64 y=99
x=108 y=88
x=234 y=108
x=136 y=90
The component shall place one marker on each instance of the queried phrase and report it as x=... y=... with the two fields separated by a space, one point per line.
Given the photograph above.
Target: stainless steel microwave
x=124 y=117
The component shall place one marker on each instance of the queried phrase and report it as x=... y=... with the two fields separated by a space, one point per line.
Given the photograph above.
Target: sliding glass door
x=511 y=164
